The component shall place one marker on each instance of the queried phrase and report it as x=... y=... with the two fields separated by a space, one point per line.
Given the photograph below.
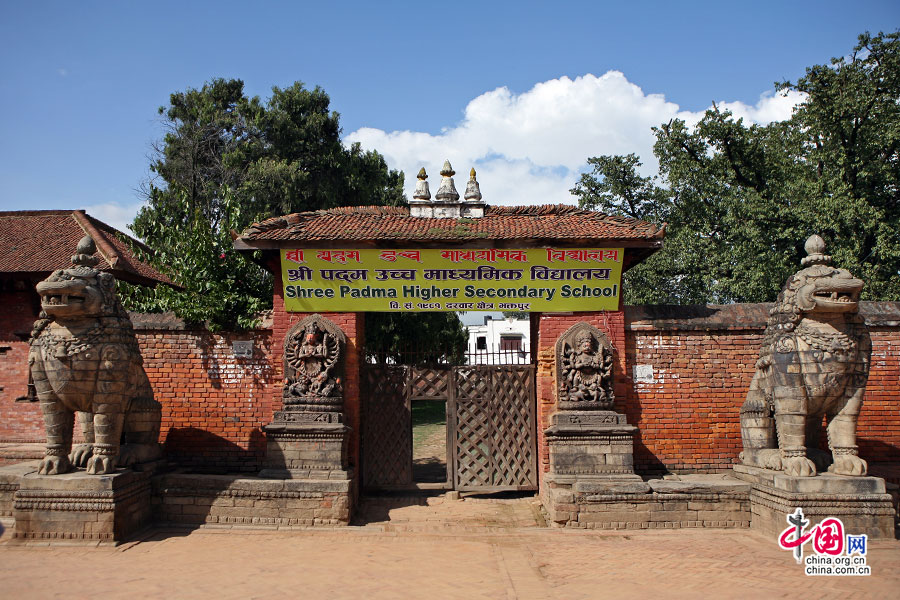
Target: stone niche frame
x=332 y=402
x=567 y=346
x=307 y=438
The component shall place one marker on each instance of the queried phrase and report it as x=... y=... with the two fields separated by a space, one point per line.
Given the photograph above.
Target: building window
x=481 y=343
x=511 y=342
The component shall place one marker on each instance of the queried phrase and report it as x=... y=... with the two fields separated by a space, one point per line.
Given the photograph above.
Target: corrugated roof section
x=40 y=241
x=548 y=222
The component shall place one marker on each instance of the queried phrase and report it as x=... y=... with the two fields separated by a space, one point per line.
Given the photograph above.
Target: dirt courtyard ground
x=434 y=548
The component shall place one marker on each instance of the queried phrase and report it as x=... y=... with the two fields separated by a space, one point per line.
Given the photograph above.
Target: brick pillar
x=352 y=324
x=549 y=327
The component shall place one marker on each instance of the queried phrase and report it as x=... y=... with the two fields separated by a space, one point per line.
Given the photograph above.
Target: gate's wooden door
x=494 y=447
x=386 y=427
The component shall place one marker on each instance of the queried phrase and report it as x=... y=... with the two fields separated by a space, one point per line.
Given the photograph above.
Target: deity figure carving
x=85 y=358
x=313 y=350
x=584 y=369
x=814 y=363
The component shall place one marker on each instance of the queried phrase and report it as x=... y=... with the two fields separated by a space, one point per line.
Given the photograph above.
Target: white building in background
x=499 y=341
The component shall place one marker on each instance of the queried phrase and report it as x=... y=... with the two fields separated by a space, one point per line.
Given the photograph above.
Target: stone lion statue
x=85 y=358
x=813 y=364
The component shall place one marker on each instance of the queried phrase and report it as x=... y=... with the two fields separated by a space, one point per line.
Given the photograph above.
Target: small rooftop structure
x=34 y=243
x=446 y=204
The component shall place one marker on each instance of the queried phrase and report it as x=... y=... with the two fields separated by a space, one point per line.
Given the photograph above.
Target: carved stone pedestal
x=590 y=444
x=859 y=502
x=82 y=507
x=591 y=452
x=306 y=445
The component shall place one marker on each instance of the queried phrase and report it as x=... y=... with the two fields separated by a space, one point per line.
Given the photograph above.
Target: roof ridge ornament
x=447 y=192
x=473 y=190
x=422 y=193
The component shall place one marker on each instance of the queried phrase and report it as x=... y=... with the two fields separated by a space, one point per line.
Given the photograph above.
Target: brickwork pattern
x=230 y=500
x=648 y=511
x=213 y=403
x=20 y=421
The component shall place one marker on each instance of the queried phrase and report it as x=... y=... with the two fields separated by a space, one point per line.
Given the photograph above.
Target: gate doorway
x=490 y=411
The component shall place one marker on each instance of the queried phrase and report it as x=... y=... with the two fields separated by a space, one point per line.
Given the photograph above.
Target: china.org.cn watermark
x=833 y=551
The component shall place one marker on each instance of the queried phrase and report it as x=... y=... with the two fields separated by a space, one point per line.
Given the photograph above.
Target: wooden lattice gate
x=494 y=439
x=386 y=430
x=491 y=424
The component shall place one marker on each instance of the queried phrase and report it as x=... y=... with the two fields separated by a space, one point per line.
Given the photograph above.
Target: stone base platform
x=861 y=503
x=10 y=479
x=80 y=507
x=194 y=499
x=718 y=501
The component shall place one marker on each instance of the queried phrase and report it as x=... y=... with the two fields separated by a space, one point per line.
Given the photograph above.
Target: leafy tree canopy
x=740 y=200
x=228 y=160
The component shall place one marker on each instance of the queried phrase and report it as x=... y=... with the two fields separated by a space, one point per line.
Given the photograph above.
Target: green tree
x=740 y=200
x=228 y=160
x=433 y=338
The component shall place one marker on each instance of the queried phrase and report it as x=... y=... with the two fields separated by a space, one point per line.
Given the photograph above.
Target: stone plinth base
x=713 y=501
x=309 y=446
x=10 y=477
x=590 y=443
x=191 y=499
x=82 y=507
x=861 y=503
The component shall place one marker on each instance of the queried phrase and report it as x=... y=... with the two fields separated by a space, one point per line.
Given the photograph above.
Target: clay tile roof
x=41 y=241
x=509 y=223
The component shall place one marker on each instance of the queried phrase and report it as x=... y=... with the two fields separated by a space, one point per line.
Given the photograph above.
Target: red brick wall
x=689 y=418
x=213 y=404
x=879 y=420
x=19 y=422
x=550 y=328
x=353 y=326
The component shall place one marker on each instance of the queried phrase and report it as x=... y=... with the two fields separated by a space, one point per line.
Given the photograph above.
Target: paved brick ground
x=432 y=548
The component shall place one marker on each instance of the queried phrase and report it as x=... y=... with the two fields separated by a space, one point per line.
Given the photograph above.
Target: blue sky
x=524 y=91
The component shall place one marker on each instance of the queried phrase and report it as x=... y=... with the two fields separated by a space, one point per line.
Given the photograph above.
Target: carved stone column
x=308 y=438
x=591 y=446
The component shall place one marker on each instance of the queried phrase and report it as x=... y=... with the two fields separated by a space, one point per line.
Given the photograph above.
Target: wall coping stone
x=167 y=321
x=723 y=317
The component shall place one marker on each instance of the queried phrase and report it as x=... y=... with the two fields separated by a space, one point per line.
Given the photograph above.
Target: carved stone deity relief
x=313 y=361
x=814 y=363
x=584 y=363
x=85 y=358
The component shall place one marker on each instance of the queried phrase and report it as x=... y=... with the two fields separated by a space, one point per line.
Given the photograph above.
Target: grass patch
x=428 y=417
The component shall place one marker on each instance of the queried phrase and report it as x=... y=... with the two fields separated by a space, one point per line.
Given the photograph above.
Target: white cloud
x=771 y=107
x=114 y=214
x=530 y=148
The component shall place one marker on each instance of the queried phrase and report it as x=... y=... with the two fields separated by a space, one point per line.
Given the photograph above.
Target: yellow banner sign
x=531 y=280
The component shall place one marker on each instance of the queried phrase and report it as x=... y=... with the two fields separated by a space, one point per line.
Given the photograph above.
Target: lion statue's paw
x=848 y=464
x=101 y=465
x=80 y=454
x=798 y=466
x=55 y=465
